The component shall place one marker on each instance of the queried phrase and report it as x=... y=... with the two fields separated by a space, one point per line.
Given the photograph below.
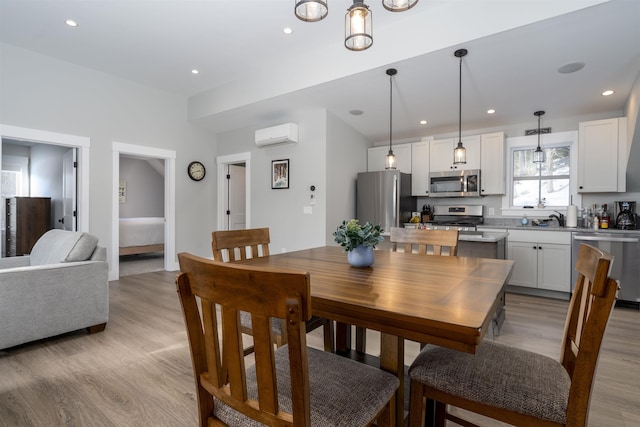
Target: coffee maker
x=626 y=217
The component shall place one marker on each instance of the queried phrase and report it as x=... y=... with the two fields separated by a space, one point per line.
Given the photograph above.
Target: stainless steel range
x=464 y=218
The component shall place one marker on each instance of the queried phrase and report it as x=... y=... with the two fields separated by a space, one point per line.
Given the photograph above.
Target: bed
x=141 y=235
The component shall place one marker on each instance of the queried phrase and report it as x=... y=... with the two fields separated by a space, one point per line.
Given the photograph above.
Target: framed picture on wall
x=122 y=191
x=280 y=174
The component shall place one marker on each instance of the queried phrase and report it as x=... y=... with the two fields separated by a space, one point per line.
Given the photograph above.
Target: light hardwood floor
x=138 y=371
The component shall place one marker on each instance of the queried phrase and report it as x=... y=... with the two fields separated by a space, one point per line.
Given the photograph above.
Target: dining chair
x=429 y=242
x=517 y=386
x=293 y=385
x=238 y=245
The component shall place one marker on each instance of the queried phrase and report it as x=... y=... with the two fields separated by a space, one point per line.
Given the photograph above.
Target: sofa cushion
x=63 y=246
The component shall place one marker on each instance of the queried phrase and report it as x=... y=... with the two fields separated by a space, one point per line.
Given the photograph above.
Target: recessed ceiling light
x=571 y=67
x=491 y=111
x=356 y=112
x=607 y=93
x=71 y=23
x=194 y=71
x=423 y=122
x=287 y=30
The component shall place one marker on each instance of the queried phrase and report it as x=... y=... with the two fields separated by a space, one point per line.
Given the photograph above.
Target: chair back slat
x=265 y=293
x=431 y=242
x=589 y=311
x=232 y=245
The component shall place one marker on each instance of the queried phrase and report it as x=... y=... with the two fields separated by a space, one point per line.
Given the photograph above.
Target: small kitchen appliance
x=626 y=218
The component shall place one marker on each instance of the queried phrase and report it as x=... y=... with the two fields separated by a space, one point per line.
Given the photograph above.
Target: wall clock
x=196 y=171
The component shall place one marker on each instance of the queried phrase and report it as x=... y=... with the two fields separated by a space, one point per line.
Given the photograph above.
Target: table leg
x=343 y=337
x=392 y=360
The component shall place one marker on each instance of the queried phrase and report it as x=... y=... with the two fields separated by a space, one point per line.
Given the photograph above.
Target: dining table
x=443 y=300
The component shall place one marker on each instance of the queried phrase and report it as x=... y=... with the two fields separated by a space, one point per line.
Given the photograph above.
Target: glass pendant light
x=538 y=155
x=390 y=160
x=357 y=27
x=398 y=5
x=460 y=153
x=311 y=10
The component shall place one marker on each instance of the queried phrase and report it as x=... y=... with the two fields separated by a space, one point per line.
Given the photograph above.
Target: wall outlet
x=284 y=250
x=307 y=210
x=492 y=211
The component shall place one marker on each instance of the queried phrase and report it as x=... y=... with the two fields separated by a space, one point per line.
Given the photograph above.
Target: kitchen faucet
x=559 y=217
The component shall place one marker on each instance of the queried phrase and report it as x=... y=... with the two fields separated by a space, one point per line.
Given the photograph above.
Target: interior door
x=236 y=200
x=69 y=196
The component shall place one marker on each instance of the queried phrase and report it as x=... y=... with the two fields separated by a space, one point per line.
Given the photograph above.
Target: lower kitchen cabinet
x=542 y=259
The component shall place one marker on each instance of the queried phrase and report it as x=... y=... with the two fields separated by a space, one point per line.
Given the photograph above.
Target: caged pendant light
x=538 y=155
x=390 y=160
x=398 y=5
x=460 y=153
x=311 y=10
x=358 y=34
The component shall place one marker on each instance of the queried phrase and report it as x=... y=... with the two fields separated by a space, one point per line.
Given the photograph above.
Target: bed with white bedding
x=141 y=235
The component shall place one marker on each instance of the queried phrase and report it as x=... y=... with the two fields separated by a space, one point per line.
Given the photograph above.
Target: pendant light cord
x=460 y=105
x=390 y=107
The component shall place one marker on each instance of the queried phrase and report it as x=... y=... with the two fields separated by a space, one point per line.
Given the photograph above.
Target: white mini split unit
x=281 y=134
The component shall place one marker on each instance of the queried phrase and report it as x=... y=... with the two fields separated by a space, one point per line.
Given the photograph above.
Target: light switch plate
x=307 y=210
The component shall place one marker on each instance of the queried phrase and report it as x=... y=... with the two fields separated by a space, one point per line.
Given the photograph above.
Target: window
x=546 y=182
x=554 y=181
x=15 y=176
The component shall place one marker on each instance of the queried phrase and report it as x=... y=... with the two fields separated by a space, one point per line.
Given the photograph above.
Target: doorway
x=234 y=191
x=153 y=156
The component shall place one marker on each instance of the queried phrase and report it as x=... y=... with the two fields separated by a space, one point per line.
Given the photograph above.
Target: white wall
x=328 y=156
x=145 y=189
x=42 y=93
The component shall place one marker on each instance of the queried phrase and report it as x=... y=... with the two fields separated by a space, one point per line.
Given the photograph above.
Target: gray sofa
x=61 y=286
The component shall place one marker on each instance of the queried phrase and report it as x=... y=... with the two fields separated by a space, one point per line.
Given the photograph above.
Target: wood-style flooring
x=138 y=371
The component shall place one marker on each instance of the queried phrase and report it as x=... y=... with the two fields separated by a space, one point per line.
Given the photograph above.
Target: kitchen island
x=482 y=244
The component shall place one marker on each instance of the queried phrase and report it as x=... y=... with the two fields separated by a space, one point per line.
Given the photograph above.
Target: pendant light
x=398 y=5
x=357 y=27
x=538 y=155
x=460 y=153
x=390 y=160
x=311 y=10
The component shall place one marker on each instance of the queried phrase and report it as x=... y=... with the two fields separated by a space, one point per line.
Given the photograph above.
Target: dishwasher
x=625 y=249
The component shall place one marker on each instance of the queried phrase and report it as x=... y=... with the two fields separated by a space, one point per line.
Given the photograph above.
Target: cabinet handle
x=581 y=187
x=539 y=247
x=534 y=247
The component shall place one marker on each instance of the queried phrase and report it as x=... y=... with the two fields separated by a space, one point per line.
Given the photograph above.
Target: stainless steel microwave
x=461 y=183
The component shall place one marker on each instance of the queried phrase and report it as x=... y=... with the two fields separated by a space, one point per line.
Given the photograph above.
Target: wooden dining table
x=444 y=300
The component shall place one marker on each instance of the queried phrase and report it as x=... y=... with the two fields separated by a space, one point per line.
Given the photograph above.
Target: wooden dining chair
x=431 y=242
x=518 y=386
x=293 y=385
x=238 y=245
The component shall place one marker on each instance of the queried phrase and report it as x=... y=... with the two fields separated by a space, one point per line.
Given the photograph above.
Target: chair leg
x=416 y=404
x=441 y=414
x=361 y=339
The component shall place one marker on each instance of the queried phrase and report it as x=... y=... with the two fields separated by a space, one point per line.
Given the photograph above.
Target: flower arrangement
x=351 y=234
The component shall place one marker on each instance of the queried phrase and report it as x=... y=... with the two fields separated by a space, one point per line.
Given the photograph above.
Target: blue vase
x=361 y=256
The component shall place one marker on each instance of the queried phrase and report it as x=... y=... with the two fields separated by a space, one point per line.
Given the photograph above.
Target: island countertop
x=483 y=236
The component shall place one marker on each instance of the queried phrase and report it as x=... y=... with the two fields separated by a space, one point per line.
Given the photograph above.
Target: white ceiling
x=251 y=74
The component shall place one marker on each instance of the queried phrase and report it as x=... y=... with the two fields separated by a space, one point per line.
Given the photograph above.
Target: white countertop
x=483 y=236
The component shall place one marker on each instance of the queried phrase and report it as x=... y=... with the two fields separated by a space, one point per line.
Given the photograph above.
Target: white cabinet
x=542 y=259
x=376 y=157
x=492 y=163
x=602 y=155
x=420 y=168
x=441 y=154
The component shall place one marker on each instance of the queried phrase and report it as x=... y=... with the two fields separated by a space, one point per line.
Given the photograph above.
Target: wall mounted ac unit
x=281 y=134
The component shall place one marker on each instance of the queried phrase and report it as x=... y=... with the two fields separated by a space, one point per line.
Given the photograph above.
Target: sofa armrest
x=15 y=261
x=47 y=300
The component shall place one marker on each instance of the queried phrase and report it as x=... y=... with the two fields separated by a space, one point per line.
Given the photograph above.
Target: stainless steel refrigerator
x=384 y=198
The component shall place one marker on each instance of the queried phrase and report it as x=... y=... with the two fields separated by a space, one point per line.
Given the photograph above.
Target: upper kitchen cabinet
x=492 y=163
x=376 y=157
x=441 y=154
x=420 y=168
x=602 y=155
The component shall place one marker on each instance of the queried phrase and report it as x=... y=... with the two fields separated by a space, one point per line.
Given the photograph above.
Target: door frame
x=169 y=157
x=81 y=143
x=232 y=159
